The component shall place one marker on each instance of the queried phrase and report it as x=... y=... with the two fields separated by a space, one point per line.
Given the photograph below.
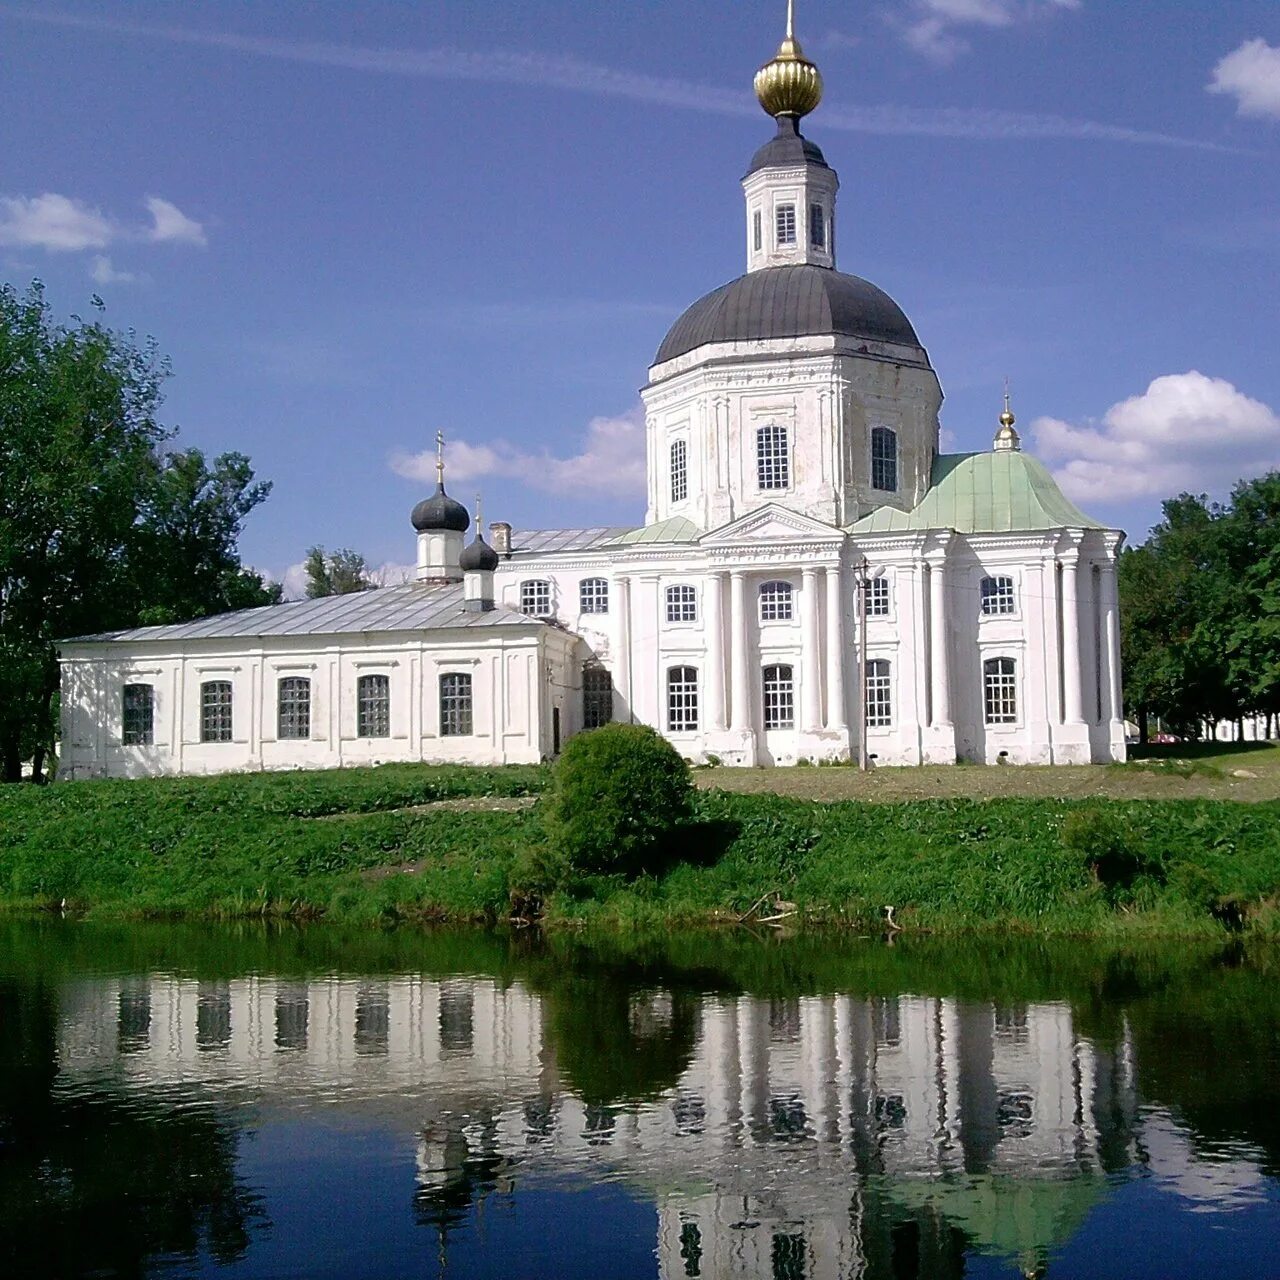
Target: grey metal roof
x=789 y=302
x=672 y=529
x=789 y=148
x=409 y=606
x=539 y=540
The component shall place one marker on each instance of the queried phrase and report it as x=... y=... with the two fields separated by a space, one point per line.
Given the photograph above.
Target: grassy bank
x=406 y=843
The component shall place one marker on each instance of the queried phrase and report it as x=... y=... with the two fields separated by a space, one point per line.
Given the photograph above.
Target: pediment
x=772 y=524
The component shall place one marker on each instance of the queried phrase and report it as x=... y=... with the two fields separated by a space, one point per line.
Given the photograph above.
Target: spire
x=1007 y=440
x=789 y=85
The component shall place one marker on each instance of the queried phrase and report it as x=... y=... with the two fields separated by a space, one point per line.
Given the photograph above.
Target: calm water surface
x=185 y=1101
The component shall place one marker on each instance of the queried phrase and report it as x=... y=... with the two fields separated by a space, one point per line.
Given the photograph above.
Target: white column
x=1073 y=705
x=714 y=624
x=810 y=671
x=836 y=722
x=622 y=658
x=939 y=646
x=740 y=712
x=1111 y=621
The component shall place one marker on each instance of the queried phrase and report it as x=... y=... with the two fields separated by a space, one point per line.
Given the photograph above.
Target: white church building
x=813 y=577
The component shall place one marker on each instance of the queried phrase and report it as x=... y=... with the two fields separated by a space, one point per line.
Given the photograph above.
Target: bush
x=618 y=796
x=1113 y=849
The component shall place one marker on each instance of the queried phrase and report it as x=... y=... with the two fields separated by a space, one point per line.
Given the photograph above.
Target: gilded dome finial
x=789 y=85
x=1007 y=439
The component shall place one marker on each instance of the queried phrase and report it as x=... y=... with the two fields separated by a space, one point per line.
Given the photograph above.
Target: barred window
x=775 y=602
x=593 y=595
x=138 y=711
x=773 y=464
x=455 y=704
x=293 y=708
x=878 y=598
x=779 y=698
x=884 y=459
x=879 y=694
x=1000 y=688
x=786 y=224
x=215 y=711
x=817 y=227
x=535 y=598
x=679 y=471
x=682 y=700
x=597 y=697
x=682 y=604
x=998 y=596
x=373 y=707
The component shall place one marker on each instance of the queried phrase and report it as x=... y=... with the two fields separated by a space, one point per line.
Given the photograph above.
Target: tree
x=100 y=527
x=336 y=573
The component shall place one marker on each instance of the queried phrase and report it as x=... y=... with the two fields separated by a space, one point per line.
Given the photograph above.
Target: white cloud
x=171 y=225
x=53 y=222
x=1251 y=75
x=104 y=272
x=1186 y=432
x=611 y=462
x=932 y=27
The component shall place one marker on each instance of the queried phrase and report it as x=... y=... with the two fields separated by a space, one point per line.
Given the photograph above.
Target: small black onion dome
x=478 y=557
x=440 y=512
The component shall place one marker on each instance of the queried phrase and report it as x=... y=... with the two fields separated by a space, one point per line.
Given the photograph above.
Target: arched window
x=597 y=697
x=775 y=602
x=215 y=711
x=455 y=704
x=998 y=596
x=535 y=598
x=679 y=470
x=884 y=459
x=682 y=700
x=373 y=707
x=1000 y=690
x=779 y=698
x=879 y=693
x=773 y=462
x=682 y=604
x=593 y=595
x=293 y=708
x=138 y=715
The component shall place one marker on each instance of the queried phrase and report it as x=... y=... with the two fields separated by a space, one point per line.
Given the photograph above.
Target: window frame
x=785 y=225
x=882 y=467
x=540 y=588
x=293 y=718
x=879 y=591
x=817 y=226
x=878 y=693
x=367 y=707
x=771 y=609
x=217 y=715
x=758 y=228
x=778 y=696
x=597 y=703
x=1003 y=602
x=683 y=709
x=593 y=595
x=681 y=604
x=456 y=698
x=678 y=474
x=773 y=458
x=143 y=735
x=1000 y=690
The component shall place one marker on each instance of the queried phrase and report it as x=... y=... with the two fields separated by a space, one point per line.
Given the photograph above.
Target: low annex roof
x=996 y=492
x=409 y=606
x=540 y=540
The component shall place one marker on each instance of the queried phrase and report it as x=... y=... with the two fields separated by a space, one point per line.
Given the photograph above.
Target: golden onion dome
x=789 y=84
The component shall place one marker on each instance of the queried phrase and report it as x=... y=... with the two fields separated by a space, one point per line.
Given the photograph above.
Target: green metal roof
x=1005 y=492
x=675 y=529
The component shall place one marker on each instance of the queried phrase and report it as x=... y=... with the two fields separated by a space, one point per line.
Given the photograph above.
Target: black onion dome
x=797 y=301
x=440 y=512
x=787 y=149
x=478 y=557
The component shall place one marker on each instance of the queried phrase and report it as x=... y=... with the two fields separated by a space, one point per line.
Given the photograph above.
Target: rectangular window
x=292 y=1013
x=456 y=1019
x=759 y=231
x=682 y=700
x=213 y=1016
x=775 y=602
x=682 y=604
x=786 y=224
x=877 y=590
x=293 y=708
x=879 y=694
x=679 y=471
x=597 y=697
x=1000 y=690
x=593 y=595
x=139 y=715
x=455 y=705
x=535 y=598
x=373 y=1019
x=817 y=227
x=773 y=462
x=373 y=707
x=998 y=596
x=215 y=711
x=884 y=459
x=779 y=698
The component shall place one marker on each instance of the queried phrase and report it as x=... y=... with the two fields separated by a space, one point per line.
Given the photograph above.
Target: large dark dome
x=789 y=302
x=440 y=512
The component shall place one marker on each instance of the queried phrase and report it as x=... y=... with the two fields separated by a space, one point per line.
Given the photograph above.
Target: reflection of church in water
x=824 y=1136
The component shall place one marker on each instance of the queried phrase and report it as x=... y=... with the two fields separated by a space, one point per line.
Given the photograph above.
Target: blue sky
x=351 y=226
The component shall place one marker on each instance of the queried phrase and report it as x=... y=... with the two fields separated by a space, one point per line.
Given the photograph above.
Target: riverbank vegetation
x=408 y=844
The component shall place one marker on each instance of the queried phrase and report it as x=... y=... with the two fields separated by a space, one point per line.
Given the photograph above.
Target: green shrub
x=618 y=795
x=1113 y=849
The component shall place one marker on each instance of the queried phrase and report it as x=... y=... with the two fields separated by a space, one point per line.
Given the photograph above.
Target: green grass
x=273 y=845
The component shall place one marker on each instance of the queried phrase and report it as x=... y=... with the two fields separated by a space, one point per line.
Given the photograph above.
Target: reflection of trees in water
x=93 y=1184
